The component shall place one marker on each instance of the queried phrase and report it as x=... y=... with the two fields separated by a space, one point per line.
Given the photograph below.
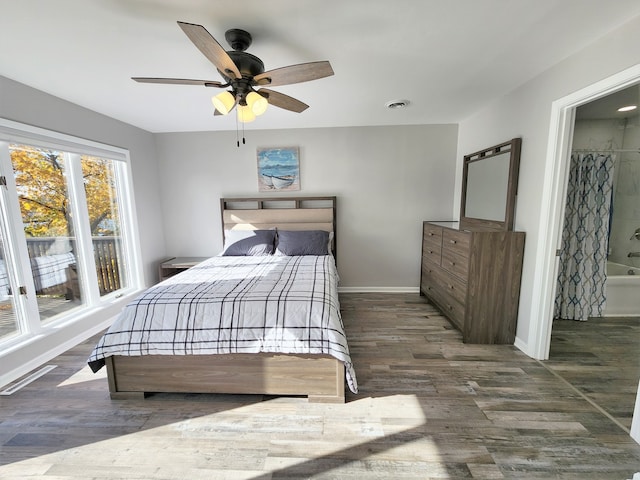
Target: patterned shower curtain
x=585 y=237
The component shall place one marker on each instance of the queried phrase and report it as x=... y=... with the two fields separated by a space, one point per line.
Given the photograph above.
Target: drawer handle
x=450 y=287
x=452 y=241
x=430 y=252
x=431 y=234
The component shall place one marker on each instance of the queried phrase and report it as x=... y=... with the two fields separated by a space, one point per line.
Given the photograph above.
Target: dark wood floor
x=600 y=358
x=429 y=407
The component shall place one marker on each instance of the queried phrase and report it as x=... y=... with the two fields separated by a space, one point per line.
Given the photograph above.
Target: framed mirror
x=489 y=187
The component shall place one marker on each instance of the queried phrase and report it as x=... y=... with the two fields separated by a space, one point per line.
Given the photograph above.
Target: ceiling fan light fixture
x=224 y=102
x=628 y=108
x=245 y=115
x=257 y=103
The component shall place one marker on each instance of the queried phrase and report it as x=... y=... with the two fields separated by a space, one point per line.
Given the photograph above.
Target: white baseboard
x=522 y=346
x=378 y=290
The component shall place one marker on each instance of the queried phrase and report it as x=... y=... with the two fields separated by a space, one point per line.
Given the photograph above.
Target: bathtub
x=622 y=291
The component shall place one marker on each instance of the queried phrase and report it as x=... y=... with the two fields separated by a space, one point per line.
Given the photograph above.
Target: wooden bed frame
x=319 y=377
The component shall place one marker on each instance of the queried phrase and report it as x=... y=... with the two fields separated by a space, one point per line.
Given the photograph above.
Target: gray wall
x=387 y=180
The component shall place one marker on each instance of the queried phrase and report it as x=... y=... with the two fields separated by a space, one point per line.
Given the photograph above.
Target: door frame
x=552 y=210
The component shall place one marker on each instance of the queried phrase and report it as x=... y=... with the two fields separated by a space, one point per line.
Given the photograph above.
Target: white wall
x=526 y=112
x=387 y=180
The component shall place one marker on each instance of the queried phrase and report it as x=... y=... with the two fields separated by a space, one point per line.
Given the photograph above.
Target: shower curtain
x=582 y=270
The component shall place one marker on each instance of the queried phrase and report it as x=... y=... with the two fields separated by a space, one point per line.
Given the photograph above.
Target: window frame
x=28 y=319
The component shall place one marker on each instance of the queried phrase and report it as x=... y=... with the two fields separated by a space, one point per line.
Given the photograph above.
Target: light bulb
x=257 y=103
x=245 y=115
x=224 y=102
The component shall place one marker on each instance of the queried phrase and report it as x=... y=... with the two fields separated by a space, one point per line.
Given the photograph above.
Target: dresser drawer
x=453 y=286
x=452 y=309
x=442 y=295
x=433 y=232
x=431 y=253
x=428 y=283
x=455 y=241
x=455 y=252
x=432 y=243
x=455 y=263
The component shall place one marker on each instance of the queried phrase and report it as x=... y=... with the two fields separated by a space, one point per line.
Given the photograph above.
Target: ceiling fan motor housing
x=249 y=65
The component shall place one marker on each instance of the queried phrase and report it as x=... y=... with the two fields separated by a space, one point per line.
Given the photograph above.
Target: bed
x=243 y=322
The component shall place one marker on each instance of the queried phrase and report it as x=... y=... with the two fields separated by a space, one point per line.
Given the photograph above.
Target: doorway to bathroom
x=599 y=262
x=571 y=130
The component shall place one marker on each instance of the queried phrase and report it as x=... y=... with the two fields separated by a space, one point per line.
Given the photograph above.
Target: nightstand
x=174 y=265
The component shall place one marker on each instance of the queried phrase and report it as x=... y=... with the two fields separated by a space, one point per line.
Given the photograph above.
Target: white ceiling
x=447 y=57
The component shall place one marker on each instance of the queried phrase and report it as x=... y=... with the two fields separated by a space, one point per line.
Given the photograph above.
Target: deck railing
x=106 y=253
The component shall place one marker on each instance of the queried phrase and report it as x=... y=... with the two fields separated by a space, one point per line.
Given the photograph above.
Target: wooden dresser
x=473 y=277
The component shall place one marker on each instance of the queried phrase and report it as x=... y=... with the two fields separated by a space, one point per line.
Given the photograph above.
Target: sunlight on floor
x=84 y=375
x=280 y=434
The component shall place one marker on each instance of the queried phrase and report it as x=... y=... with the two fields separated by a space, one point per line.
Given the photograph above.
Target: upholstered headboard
x=285 y=213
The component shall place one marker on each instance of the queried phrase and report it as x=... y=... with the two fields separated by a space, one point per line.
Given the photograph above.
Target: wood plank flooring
x=601 y=358
x=429 y=407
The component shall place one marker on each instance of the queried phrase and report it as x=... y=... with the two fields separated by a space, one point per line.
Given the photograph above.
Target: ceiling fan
x=244 y=74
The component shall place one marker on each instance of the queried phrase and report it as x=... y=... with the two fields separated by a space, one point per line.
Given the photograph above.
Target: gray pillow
x=254 y=243
x=303 y=242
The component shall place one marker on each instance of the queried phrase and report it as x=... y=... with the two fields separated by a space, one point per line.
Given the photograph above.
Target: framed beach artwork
x=278 y=169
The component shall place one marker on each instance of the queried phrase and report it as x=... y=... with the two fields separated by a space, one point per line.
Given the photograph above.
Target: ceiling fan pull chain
x=237 y=139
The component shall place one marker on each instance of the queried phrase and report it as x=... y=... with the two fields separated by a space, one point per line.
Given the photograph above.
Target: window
x=8 y=324
x=67 y=237
x=46 y=210
x=103 y=205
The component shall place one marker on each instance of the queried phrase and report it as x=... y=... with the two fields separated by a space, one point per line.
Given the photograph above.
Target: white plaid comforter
x=236 y=305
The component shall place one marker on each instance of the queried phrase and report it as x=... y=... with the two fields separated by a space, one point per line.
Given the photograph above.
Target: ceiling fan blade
x=179 y=81
x=302 y=72
x=281 y=100
x=211 y=49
